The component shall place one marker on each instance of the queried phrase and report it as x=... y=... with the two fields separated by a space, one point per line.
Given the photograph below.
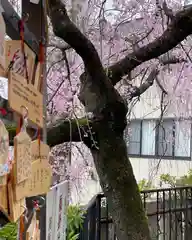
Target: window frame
x=157 y=143
x=156 y=155
x=140 y=145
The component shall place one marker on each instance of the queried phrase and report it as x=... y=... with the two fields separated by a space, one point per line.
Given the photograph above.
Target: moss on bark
x=59 y=132
x=119 y=185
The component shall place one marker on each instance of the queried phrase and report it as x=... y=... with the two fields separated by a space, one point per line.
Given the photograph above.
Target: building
x=158 y=145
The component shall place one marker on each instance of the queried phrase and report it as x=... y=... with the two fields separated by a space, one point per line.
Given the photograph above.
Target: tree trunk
x=119 y=185
x=109 y=111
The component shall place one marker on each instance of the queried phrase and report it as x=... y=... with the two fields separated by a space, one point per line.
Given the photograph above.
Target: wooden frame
x=156 y=155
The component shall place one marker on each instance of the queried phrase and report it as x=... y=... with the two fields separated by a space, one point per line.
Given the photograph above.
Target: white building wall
x=149 y=108
x=144 y=168
x=152 y=169
x=148 y=105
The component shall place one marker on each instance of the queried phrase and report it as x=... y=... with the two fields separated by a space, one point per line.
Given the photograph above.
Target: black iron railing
x=169 y=214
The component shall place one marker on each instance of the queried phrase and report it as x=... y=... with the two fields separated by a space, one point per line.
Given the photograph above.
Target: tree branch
x=179 y=28
x=144 y=86
x=168 y=12
x=160 y=86
x=101 y=96
x=67 y=31
x=59 y=131
x=153 y=75
x=62 y=47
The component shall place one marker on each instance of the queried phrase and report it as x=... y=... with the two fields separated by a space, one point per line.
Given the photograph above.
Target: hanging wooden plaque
x=39 y=153
x=3 y=74
x=3 y=199
x=17 y=208
x=4 y=144
x=22 y=94
x=21 y=189
x=22 y=157
x=3 y=180
x=13 y=48
x=38 y=184
x=40 y=181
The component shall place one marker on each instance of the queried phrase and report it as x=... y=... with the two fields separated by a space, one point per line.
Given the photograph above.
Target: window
x=148 y=137
x=165 y=138
x=169 y=138
x=134 y=137
x=182 y=139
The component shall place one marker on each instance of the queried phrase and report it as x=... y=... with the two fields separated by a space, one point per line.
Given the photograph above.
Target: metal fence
x=169 y=214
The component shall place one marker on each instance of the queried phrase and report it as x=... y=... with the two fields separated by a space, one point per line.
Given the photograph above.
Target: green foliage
x=173 y=181
x=144 y=184
x=168 y=179
x=75 y=217
x=9 y=232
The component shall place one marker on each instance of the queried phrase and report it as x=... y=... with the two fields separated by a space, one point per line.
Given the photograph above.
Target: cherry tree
x=102 y=55
x=123 y=48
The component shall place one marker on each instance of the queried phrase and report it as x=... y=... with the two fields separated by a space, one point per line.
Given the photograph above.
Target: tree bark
x=59 y=132
x=119 y=185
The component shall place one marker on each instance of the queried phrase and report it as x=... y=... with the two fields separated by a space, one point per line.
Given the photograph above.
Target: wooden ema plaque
x=38 y=184
x=22 y=157
x=21 y=94
x=3 y=199
x=39 y=153
x=40 y=181
x=22 y=189
x=13 y=47
x=4 y=144
x=3 y=180
x=3 y=72
x=17 y=208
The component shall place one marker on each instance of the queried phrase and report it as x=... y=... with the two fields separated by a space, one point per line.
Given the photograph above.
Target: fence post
x=98 y=217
